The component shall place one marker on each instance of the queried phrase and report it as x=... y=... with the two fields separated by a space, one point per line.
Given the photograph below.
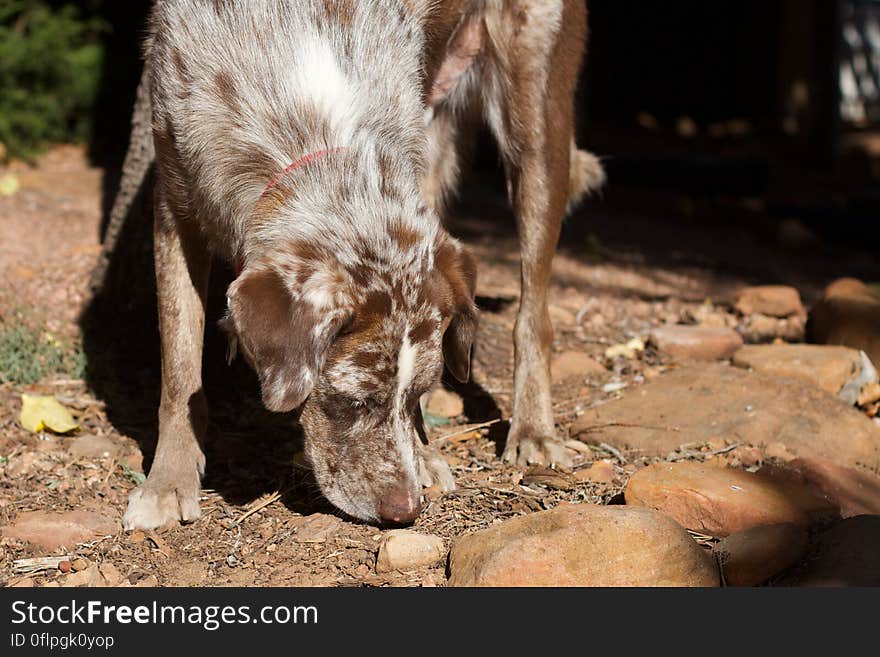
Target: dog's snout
x=398 y=506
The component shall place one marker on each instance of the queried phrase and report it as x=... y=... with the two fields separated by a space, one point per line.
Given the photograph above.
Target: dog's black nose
x=398 y=507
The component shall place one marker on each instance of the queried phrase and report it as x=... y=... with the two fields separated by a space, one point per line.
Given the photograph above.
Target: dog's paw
x=434 y=470
x=153 y=505
x=526 y=447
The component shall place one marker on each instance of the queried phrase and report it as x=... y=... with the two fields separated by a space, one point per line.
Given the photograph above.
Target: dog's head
x=358 y=343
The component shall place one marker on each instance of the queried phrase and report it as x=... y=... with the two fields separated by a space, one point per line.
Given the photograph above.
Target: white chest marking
x=406 y=362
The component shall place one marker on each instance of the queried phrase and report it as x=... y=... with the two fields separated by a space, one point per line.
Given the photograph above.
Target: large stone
x=693 y=404
x=848 y=314
x=444 y=403
x=56 y=530
x=856 y=491
x=723 y=501
x=402 y=549
x=754 y=555
x=696 y=342
x=848 y=554
x=757 y=328
x=828 y=367
x=582 y=545
x=570 y=364
x=772 y=300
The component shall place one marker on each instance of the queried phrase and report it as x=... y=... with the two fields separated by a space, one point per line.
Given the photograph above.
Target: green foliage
x=26 y=356
x=50 y=68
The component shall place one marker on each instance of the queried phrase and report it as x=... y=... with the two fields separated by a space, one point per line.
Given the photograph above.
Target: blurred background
x=776 y=102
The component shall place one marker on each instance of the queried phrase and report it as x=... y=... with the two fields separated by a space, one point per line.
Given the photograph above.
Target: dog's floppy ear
x=283 y=338
x=459 y=271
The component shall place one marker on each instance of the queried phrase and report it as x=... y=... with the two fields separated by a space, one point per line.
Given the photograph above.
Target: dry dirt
x=625 y=264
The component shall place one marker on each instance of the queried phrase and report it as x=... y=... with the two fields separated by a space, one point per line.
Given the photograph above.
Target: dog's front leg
x=530 y=108
x=171 y=491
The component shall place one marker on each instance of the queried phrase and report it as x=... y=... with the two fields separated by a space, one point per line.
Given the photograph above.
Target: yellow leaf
x=39 y=412
x=9 y=184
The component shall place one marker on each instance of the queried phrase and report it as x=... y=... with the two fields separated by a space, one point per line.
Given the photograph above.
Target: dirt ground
x=627 y=262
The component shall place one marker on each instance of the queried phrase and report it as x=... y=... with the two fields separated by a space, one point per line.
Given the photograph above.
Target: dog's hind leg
x=171 y=491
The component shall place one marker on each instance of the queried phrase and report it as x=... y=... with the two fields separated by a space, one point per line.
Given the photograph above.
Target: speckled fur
x=351 y=294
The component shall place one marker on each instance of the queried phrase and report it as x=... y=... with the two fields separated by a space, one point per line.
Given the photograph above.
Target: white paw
x=525 y=447
x=434 y=470
x=149 y=508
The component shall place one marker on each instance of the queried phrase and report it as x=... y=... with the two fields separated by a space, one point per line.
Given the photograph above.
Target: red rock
x=723 y=501
x=828 y=367
x=772 y=300
x=748 y=455
x=601 y=472
x=570 y=364
x=55 y=530
x=753 y=556
x=694 y=403
x=445 y=403
x=869 y=394
x=582 y=545
x=848 y=314
x=316 y=528
x=403 y=549
x=855 y=491
x=757 y=328
x=779 y=451
x=696 y=342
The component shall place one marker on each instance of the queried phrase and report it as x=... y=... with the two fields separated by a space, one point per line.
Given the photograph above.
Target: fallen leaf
x=45 y=412
x=9 y=184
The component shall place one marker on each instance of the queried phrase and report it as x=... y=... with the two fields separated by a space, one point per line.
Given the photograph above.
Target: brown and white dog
x=312 y=143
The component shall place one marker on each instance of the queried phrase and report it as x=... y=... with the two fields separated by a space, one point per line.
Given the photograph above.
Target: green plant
x=26 y=356
x=50 y=67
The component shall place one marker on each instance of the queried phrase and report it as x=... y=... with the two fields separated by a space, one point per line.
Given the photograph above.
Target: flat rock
x=601 y=472
x=316 y=528
x=570 y=364
x=695 y=403
x=55 y=530
x=445 y=403
x=93 y=447
x=772 y=300
x=403 y=549
x=848 y=314
x=828 y=367
x=723 y=501
x=582 y=545
x=758 y=328
x=856 y=491
x=847 y=554
x=754 y=555
x=696 y=342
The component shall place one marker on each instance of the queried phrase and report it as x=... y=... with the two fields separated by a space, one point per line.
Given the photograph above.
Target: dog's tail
x=129 y=203
x=586 y=175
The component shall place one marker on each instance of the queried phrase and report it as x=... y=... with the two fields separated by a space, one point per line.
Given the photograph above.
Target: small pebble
x=64 y=566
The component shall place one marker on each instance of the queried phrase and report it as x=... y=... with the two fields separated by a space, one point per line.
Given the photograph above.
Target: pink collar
x=301 y=162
